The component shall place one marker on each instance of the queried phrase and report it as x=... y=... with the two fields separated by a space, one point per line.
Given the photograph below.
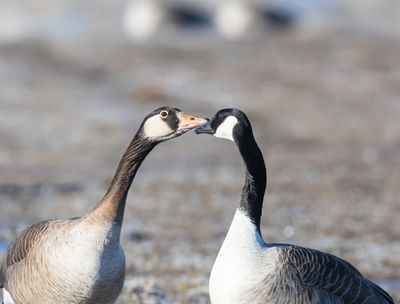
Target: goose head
x=167 y=122
x=231 y=124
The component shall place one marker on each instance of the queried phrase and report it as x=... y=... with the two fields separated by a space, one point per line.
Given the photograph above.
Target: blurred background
x=319 y=79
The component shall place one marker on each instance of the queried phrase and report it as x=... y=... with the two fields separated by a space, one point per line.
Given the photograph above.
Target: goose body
x=249 y=270
x=81 y=260
x=53 y=257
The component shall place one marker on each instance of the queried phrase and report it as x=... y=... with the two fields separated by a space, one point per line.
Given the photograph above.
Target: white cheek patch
x=225 y=130
x=155 y=127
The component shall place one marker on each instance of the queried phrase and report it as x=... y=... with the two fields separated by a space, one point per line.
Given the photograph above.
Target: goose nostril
x=191 y=118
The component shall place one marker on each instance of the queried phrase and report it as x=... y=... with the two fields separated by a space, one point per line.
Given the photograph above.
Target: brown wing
x=24 y=242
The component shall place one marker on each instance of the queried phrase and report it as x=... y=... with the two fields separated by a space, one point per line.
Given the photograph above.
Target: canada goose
x=248 y=270
x=81 y=260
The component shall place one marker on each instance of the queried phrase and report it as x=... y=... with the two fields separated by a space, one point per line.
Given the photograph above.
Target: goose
x=80 y=260
x=249 y=270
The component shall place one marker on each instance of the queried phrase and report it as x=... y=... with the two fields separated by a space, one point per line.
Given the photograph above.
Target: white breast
x=241 y=263
x=97 y=259
x=5 y=297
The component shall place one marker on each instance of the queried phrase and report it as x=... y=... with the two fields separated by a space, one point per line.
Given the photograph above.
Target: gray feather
x=327 y=274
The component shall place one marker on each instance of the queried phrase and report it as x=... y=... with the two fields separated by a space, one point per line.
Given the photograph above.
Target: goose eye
x=164 y=114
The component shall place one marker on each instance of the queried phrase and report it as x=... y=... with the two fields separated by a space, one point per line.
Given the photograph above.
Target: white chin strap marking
x=155 y=127
x=225 y=130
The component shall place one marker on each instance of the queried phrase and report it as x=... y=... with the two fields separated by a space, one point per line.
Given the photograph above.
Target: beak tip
x=191 y=122
x=205 y=121
x=205 y=128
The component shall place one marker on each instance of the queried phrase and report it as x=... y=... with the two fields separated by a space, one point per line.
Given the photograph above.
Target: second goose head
x=231 y=124
x=168 y=122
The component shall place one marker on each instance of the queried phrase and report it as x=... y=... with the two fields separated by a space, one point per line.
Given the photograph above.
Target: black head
x=231 y=124
x=168 y=122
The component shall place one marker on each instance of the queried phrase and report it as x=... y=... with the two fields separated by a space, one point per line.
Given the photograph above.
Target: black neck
x=130 y=162
x=256 y=179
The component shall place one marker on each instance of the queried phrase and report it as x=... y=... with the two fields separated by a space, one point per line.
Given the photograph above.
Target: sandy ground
x=325 y=112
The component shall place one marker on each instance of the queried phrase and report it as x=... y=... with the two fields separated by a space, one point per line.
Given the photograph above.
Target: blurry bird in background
x=231 y=20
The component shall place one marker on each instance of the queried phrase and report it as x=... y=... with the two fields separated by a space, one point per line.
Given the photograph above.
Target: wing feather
x=30 y=237
x=23 y=244
x=333 y=275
